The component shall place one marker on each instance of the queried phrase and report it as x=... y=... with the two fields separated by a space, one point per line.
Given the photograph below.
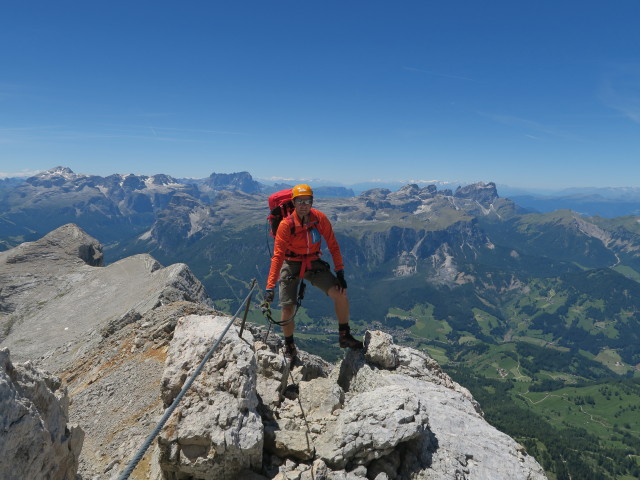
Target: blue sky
x=541 y=94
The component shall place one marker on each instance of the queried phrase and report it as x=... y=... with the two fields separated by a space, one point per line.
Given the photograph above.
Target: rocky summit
x=390 y=412
x=104 y=350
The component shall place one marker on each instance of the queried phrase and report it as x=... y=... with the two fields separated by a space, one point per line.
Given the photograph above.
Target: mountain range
x=589 y=201
x=525 y=306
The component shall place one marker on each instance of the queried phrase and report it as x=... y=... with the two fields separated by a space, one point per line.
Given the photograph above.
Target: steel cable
x=136 y=459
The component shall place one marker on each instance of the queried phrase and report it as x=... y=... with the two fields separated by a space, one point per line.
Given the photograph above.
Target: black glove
x=268 y=295
x=341 y=280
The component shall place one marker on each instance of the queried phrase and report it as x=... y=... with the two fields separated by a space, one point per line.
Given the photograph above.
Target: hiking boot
x=290 y=352
x=347 y=341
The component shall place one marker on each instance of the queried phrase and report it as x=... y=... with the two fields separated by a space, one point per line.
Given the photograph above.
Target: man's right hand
x=341 y=280
x=268 y=295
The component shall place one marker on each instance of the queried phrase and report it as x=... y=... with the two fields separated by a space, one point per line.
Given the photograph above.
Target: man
x=296 y=255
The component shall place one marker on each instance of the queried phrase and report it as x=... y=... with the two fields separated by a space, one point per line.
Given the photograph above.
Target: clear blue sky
x=530 y=94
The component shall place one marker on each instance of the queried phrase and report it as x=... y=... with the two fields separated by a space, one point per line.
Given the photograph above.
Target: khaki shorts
x=319 y=275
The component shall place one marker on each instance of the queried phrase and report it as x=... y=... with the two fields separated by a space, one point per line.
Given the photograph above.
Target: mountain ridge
x=589 y=201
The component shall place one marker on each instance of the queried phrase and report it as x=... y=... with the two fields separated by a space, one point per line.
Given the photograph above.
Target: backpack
x=281 y=206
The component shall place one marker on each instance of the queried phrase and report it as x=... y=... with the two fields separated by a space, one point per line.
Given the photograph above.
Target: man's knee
x=337 y=294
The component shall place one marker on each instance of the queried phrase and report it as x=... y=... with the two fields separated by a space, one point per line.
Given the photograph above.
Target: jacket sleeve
x=279 y=250
x=326 y=230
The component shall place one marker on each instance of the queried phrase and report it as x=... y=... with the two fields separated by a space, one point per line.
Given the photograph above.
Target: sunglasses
x=300 y=201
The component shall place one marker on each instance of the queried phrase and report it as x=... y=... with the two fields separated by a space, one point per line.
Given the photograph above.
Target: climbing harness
x=266 y=307
x=136 y=459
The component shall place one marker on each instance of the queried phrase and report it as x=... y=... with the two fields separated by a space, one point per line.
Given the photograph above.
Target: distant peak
x=54 y=177
x=64 y=172
x=242 y=181
x=161 y=179
x=482 y=192
x=59 y=171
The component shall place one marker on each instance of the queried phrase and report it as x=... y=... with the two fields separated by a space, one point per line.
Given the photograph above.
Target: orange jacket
x=304 y=244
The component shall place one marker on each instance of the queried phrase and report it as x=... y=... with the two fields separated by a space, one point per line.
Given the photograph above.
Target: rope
x=266 y=311
x=136 y=459
x=266 y=238
x=266 y=308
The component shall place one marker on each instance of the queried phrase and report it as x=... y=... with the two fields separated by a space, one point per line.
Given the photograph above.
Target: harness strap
x=304 y=259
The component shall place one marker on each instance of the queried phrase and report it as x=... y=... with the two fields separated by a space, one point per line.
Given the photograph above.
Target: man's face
x=303 y=204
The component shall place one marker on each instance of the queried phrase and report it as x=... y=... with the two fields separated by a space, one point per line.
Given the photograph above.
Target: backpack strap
x=291 y=222
x=305 y=259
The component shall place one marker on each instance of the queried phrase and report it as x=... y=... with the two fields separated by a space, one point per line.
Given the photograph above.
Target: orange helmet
x=300 y=190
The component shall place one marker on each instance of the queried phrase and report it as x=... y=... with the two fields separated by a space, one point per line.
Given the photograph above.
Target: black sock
x=344 y=327
x=288 y=340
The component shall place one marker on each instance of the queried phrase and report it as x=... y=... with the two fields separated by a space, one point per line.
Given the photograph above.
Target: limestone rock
x=65 y=245
x=47 y=286
x=270 y=381
x=371 y=425
x=294 y=444
x=216 y=432
x=115 y=388
x=321 y=398
x=458 y=443
x=36 y=439
x=107 y=333
x=389 y=413
x=380 y=349
x=37 y=269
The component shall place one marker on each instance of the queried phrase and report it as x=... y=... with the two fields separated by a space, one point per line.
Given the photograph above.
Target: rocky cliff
x=124 y=338
x=64 y=312
x=390 y=412
x=54 y=291
x=36 y=440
